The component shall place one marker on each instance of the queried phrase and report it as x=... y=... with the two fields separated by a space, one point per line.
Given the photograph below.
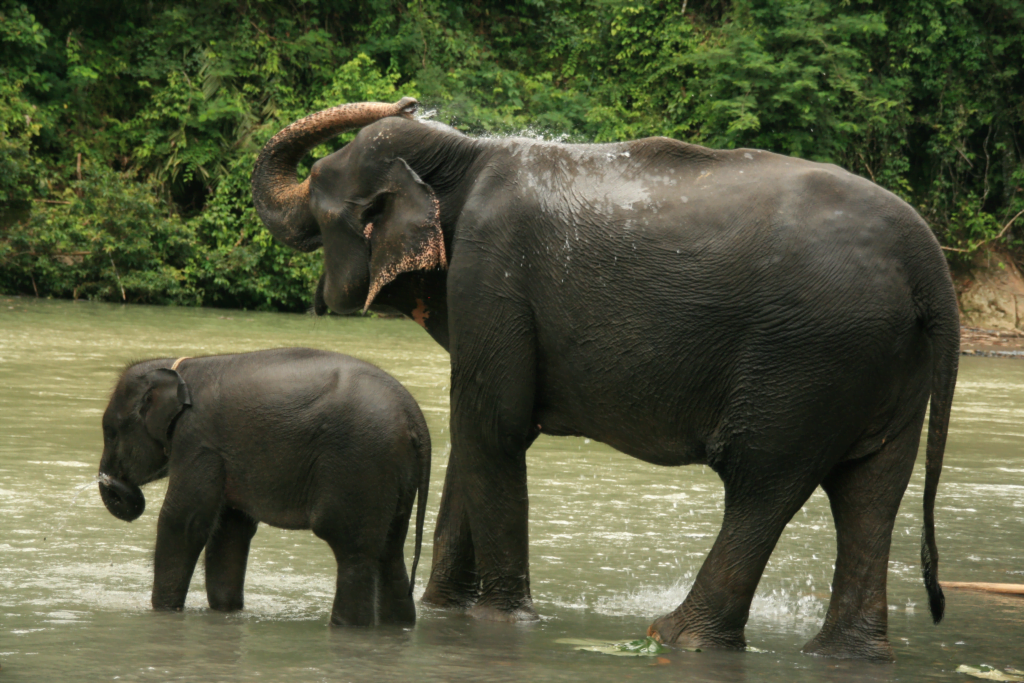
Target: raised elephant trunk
x=123 y=500
x=281 y=201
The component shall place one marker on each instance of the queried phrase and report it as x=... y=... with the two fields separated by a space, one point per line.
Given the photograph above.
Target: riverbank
x=990 y=293
x=976 y=341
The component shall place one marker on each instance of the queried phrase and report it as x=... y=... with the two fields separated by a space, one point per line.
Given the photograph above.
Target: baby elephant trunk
x=125 y=501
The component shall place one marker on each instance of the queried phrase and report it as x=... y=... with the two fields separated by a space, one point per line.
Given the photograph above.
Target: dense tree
x=128 y=129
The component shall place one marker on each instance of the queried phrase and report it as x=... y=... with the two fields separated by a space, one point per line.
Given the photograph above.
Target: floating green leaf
x=645 y=647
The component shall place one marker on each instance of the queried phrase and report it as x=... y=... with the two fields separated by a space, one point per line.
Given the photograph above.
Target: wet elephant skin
x=782 y=321
x=294 y=438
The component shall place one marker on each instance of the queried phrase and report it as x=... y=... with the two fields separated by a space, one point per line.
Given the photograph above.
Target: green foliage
x=16 y=132
x=238 y=263
x=108 y=237
x=168 y=102
x=22 y=39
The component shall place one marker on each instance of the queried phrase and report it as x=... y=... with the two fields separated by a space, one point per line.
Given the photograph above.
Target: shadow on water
x=614 y=542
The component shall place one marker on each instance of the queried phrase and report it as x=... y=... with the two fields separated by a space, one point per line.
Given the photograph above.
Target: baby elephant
x=295 y=438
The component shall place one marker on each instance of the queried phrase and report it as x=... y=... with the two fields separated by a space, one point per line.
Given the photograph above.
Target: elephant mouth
x=123 y=500
x=319 y=305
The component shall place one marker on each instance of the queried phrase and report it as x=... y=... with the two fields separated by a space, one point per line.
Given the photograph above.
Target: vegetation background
x=128 y=129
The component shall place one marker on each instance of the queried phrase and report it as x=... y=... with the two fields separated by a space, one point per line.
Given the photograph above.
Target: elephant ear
x=166 y=396
x=403 y=228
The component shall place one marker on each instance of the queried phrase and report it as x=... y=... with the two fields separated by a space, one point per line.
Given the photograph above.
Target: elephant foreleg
x=498 y=517
x=865 y=497
x=227 y=553
x=179 y=541
x=493 y=385
x=453 y=579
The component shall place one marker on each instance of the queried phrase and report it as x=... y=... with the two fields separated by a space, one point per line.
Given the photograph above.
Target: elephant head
x=137 y=428
x=368 y=208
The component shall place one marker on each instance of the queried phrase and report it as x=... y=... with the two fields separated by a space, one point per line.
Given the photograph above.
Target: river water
x=614 y=542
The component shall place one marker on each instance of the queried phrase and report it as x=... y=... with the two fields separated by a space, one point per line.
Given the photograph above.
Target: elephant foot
x=341 y=622
x=436 y=596
x=163 y=604
x=673 y=631
x=850 y=647
x=168 y=609
x=524 y=612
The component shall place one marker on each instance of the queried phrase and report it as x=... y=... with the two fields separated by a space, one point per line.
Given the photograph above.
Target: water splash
x=441 y=116
x=537 y=134
x=778 y=606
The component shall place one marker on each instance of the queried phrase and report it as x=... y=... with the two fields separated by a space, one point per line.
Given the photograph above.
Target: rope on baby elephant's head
x=178 y=362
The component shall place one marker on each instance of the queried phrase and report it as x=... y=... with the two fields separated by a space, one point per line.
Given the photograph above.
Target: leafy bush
x=108 y=238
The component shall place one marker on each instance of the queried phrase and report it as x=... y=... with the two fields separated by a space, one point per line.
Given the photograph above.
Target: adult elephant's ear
x=403 y=226
x=166 y=396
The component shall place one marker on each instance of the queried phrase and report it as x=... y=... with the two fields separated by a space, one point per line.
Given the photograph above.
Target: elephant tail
x=945 y=333
x=421 y=442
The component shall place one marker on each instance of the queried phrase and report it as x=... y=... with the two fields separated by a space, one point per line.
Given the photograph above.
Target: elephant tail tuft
x=930 y=570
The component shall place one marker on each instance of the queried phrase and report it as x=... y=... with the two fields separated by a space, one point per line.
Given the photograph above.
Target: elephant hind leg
x=227 y=553
x=358 y=544
x=395 y=597
x=715 y=612
x=356 y=592
x=865 y=496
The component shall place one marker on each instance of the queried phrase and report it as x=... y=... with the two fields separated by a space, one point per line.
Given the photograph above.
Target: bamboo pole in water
x=1001 y=588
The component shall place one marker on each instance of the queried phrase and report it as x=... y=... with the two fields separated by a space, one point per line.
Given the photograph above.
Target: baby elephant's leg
x=227 y=552
x=179 y=541
x=396 y=603
x=351 y=514
x=355 y=599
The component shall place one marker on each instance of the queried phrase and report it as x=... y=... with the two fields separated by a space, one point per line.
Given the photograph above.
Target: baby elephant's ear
x=404 y=229
x=166 y=396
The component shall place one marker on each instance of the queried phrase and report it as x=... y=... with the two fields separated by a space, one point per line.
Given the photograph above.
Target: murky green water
x=614 y=542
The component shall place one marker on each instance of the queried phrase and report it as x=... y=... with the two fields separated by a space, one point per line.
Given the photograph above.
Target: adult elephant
x=781 y=321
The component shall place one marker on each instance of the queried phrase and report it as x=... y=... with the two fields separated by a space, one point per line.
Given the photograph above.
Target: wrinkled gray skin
x=294 y=438
x=781 y=321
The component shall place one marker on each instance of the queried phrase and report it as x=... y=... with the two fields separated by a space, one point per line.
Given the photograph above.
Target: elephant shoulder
x=496 y=201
